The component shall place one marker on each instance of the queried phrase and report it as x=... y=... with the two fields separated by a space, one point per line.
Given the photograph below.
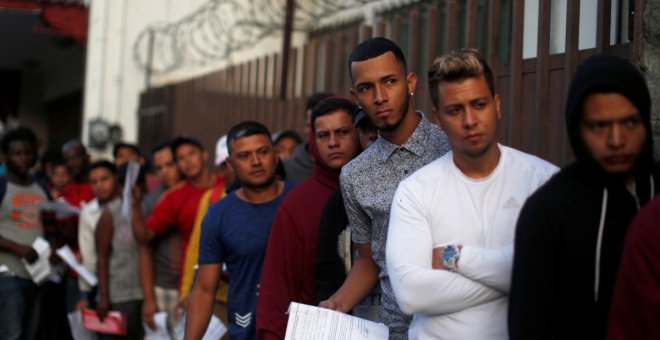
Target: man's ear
x=436 y=115
x=354 y=95
x=497 y=107
x=411 y=79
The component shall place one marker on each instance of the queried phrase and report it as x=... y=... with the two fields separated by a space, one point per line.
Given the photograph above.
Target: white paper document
x=131 y=177
x=160 y=333
x=67 y=255
x=61 y=207
x=215 y=330
x=311 y=322
x=40 y=269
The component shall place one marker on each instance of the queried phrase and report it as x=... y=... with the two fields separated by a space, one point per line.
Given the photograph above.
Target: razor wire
x=219 y=27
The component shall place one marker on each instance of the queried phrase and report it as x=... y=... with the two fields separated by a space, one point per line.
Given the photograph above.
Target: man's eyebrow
x=388 y=76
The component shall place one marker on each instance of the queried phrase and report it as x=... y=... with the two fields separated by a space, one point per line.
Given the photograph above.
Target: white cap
x=221 y=151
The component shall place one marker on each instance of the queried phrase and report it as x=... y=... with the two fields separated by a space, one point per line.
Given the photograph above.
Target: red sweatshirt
x=289 y=264
x=635 y=310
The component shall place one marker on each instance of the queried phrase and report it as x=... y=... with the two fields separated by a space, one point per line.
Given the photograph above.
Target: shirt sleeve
x=163 y=216
x=281 y=278
x=417 y=286
x=86 y=242
x=535 y=272
x=329 y=269
x=210 y=244
x=491 y=267
x=359 y=221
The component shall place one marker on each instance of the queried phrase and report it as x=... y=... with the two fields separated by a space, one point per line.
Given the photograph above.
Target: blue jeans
x=17 y=299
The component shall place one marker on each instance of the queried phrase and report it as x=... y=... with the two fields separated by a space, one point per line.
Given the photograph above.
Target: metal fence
x=532 y=90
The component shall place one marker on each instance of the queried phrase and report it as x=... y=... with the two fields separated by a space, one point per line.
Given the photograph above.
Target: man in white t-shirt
x=450 y=245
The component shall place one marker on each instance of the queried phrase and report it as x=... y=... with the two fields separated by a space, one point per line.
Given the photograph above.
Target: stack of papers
x=40 y=269
x=61 y=208
x=161 y=332
x=67 y=255
x=310 y=322
x=132 y=172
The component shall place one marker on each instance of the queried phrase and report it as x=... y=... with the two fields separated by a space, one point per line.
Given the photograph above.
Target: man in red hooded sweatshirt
x=289 y=265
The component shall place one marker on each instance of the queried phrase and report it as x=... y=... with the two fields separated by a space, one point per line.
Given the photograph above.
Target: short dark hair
x=74 y=143
x=103 y=163
x=58 y=162
x=245 y=129
x=120 y=145
x=375 y=47
x=314 y=99
x=164 y=144
x=51 y=155
x=287 y=134
x=186 y=139
x=333 y=104
x=456 y=66
x=20 y=133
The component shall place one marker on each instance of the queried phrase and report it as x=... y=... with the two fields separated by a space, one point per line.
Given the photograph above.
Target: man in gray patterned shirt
x=407 y=141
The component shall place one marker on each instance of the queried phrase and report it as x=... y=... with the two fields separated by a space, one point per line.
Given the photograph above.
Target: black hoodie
x=570 y=233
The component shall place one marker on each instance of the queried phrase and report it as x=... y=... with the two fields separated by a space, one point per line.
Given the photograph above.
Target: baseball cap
x=221 y=151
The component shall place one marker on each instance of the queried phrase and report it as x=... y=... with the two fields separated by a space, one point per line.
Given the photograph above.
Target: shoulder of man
x=524 y=159
x=3 y=188
x=174 y=190
x=364 y=161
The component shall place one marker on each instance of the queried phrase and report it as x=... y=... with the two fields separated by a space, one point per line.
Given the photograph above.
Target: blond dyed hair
x=456 y=66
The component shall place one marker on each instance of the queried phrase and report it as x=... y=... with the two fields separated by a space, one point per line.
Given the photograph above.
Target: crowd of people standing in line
x=437 y=230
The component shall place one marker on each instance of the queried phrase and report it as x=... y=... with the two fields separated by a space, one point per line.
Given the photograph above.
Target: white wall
x=587 y=36
x=113 y=81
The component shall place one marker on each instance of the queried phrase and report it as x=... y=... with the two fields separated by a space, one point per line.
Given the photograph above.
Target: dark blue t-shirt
x=236 y=232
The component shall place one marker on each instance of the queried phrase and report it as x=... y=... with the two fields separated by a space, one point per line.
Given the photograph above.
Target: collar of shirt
x=416 y=144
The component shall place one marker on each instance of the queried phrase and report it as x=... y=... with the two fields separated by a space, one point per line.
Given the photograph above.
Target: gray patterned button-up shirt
x=368 y=184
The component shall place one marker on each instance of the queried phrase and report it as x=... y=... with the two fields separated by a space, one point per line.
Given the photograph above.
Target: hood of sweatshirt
x=327 y=176
x=608 y=74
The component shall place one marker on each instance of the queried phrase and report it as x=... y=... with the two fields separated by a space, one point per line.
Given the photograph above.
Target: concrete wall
x=650 y=62
x=113 y=81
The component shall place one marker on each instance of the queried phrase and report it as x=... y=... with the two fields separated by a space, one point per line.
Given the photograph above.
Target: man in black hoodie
x=570 y=233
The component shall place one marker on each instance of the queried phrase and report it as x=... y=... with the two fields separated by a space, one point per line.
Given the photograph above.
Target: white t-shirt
x=439 y=205
x=90 y=214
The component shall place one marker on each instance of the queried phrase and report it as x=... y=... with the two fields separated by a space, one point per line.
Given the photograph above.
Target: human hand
x=149 y=308
x=436 y=262
x=82 y=304
x=136 y=192
x=102 y=308
x=54 y=259
x=27 y=252
x=181 y=307
x=329 y=304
